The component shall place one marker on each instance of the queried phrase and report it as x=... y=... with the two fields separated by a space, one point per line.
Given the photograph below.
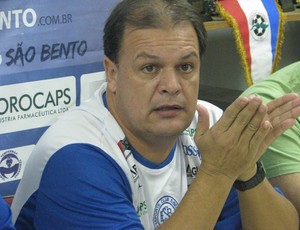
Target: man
x=282 y=158
x=129 y=158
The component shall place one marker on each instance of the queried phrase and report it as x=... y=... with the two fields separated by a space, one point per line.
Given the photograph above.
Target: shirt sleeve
x=84 y=188
x=5 y=216
x=230 y=218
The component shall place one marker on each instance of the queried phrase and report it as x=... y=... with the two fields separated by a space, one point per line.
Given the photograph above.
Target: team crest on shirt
x=164 y=208
x=10 y=165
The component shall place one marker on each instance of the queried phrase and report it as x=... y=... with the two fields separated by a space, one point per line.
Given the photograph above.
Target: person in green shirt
x=282 y=158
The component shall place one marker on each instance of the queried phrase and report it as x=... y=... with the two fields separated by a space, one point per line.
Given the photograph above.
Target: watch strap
x=252 y=182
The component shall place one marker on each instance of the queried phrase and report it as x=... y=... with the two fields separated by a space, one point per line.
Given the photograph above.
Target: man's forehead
x=161 y=34
x=165 y=24
x=176 y=32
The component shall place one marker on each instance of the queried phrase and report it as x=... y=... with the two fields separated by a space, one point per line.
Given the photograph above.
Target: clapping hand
x=233 y=145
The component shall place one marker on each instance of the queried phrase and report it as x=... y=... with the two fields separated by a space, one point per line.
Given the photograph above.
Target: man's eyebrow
x=150 y=56
x=189 y=55
x=146 y=55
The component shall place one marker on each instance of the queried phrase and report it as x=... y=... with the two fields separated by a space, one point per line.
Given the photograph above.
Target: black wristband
x=252 y=182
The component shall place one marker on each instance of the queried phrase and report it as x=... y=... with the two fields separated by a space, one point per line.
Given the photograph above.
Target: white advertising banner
x=50 y=57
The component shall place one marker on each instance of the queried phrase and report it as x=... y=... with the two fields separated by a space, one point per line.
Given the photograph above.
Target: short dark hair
x=142 y=14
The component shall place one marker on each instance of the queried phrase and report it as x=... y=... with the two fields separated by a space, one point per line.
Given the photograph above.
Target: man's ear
x=111 y=72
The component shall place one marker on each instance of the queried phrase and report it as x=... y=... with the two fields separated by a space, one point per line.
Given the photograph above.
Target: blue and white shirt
x=83 y=174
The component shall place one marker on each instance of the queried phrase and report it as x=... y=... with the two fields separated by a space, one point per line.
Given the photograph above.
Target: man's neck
x=155 y=150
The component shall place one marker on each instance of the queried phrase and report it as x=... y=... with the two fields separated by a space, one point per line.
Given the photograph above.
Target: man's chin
x=169 y=131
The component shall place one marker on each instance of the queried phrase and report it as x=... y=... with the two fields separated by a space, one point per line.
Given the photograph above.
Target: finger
x=281 y=100
x=254 y=125
x=262 y=139
x=232 y=112
x=254 y=133
x=289 y=115
x=203 y=121
x=249 y=118
x=290 y=110
x=275 y=133
x=280 y=104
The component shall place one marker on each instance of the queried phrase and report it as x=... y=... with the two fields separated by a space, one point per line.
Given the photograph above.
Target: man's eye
x=149 y=69
x=186 y=68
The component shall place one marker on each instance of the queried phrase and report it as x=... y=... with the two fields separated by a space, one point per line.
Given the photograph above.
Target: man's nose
x=169 y=82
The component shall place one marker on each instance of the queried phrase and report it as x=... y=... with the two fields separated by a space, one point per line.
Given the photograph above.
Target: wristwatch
x=252 y=182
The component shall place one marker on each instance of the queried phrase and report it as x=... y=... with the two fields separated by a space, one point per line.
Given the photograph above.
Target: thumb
x=203 y=121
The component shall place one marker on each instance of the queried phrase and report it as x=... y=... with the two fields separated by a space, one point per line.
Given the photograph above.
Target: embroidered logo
x=164 y=208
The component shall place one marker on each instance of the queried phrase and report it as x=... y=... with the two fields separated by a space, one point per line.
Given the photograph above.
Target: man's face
x=155 y=84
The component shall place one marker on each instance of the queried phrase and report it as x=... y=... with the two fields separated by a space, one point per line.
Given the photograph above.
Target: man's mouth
x=168 y=107
x=168 y=110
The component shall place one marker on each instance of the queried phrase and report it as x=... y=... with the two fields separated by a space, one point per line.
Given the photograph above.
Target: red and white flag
x=258 y=27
